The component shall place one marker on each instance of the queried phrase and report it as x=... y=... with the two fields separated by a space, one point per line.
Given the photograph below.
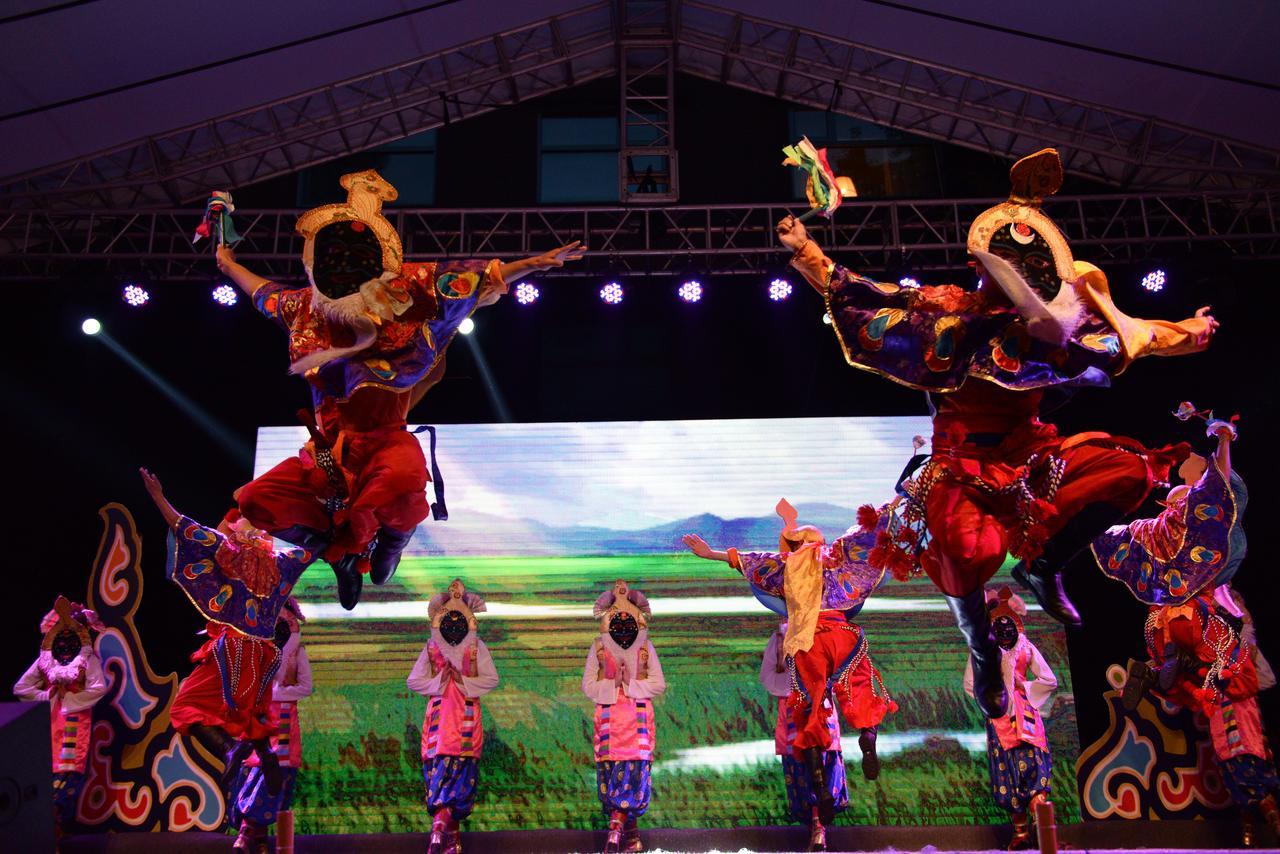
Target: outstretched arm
x=231 y=268
x=1226 y=433
x=156 y=491
x=554 y=259
x=807 y=256
x=699 y=547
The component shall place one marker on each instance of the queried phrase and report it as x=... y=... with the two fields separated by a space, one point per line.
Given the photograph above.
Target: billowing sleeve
x=602 y=692
x=777 y=683
x=279 y=303
x=1043 y=683
x=299 y=689
x=1139 y=337
x=486 y=678
x=30 y=686
x=762 y=570
x=812 y=263
x=653 y=684
x=421 y=681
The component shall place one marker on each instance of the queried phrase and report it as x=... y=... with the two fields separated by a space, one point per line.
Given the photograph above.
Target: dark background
x=80 y=421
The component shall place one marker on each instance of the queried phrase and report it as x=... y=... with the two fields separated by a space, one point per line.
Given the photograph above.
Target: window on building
x=882 y=162
x=408 y=164
x=577 y=159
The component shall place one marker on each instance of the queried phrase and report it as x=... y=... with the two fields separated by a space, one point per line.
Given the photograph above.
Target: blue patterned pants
x=624 y=785
x=252 y=802
x=1017 y=774
x=801 y=799
x=66 y=794
x=1249 y=778
x=451 y=782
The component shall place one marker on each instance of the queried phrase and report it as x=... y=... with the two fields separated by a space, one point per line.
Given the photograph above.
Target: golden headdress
x=1006 y=603
x=366 y=191
x=1032 y=178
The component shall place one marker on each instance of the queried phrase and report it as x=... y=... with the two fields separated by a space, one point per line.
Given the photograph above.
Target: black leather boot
x=1139 y=679
x=232 y=751
x=350 y=580
x=870 y=761
x=826 y=803
x=975 y=624
x=386 y=554
x=1043 y=576
x=272 y=775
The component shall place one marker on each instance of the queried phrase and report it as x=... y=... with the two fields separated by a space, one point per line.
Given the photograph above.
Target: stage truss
x=921 y=235
x=1125 y=150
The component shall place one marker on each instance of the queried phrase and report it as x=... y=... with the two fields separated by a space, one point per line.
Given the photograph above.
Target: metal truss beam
x=648 y=242
x=802 y=66
x=945 y=104
x=332 y=121
x=647 y=167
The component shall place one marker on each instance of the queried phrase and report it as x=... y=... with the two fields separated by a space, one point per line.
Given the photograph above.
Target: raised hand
x=152 y=484
x=792 y=233
x=1203 y=312
x=226 y=257
x=556 y=258
x=697 y=545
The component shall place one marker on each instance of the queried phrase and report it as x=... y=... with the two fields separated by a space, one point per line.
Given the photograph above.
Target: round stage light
x=779 y=289
x=527 y=293
x=91 y=326
x=909 y=282
x=826 y=318
x=1154 y=281
x=690 y=291
x=135 y=295
x=467 y=326
x=611 y=293
x=225 y=295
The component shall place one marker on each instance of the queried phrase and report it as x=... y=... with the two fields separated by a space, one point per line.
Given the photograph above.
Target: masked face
x=347 y=255
x=66 y=646
x=1029 y=253
x=1006 y=632
x=283 y=632
x=453 y=627
x=624 y=629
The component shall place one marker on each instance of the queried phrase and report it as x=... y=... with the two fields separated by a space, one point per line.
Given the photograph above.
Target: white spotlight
x=91 y=326
x=467 y=326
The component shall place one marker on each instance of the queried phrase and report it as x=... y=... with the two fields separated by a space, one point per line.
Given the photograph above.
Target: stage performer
x=1017 y=745
x=239 y=585
x=802 y=801
x=1180 y=563
x=253 y=808
x=453 y=672
x=68 y=676
x=621 y=676
x=1000 y=480
x=369 y=335
x=822 y=587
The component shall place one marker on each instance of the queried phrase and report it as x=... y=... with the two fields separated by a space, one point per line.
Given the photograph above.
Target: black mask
x=453 y=627
x=1029 y=253
x=624 y=629
x=1006 y=632
x=66 y=646
x=283 y=633
x=347 y=254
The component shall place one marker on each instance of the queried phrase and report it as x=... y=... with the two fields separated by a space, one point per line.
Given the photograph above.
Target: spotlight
x=908 y=282
x=690 y=291
x=826 y=318
x=527 y=293
x=225 y=295
x=135 y=295
x=467 y=326
x=91 y=326
x=1154 y=281
x=779 y=289
x=611 y=293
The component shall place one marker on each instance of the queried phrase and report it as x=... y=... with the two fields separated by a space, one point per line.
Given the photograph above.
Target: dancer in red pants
x=1000 y=479
x=369 y=335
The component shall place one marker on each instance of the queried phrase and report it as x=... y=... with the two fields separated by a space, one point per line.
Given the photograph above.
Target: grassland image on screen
x=542 y=519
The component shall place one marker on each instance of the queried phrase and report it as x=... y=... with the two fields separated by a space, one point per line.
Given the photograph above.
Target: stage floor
x=1096 y=837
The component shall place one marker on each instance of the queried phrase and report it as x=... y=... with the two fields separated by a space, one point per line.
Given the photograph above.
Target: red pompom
x=893 y=707
x=867 y=517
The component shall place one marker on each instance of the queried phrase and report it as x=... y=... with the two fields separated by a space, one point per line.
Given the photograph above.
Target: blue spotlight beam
x=215 y=429
x=490 y=386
